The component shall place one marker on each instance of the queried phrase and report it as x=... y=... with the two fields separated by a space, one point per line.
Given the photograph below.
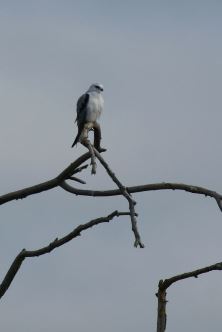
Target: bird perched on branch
x=89 y=108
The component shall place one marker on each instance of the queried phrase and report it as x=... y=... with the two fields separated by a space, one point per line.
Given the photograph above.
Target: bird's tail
x=76 y=139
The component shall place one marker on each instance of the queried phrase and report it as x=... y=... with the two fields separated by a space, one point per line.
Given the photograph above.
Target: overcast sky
x=160 y=64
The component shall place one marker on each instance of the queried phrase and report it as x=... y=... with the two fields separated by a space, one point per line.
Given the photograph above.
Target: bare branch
x=75 y=167
x=129 y=198
x=92 y=153
x=74 y=178
x=10 y=275
x=79 y=169
x=168 y=282
x=164 y=284
x=146 y=187
x=219 y=201
x=53 y=183
x=161 y=309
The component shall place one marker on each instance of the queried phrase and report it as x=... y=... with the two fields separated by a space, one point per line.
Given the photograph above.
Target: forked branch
x=164 y=284
x=129 y=198
x=60 y=181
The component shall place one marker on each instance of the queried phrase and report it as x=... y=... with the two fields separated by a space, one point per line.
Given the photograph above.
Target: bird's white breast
x=94 y=107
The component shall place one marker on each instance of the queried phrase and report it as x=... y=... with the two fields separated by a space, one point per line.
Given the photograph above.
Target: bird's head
x=95 y=87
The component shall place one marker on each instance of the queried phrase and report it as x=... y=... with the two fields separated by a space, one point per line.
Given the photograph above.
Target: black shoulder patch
x=82 y=102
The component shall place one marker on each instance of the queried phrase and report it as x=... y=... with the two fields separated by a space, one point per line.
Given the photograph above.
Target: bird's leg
x=84 y=135
x=97 y=136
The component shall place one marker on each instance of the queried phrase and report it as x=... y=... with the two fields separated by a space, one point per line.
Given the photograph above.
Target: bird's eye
x=98 y=87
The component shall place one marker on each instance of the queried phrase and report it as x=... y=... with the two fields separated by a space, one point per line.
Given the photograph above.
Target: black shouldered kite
x=89 y=107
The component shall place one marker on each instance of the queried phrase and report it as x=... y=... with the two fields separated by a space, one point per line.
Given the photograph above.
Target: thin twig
x=74 y=178
x=79 y=169
x=129 y=198
x=15 y=266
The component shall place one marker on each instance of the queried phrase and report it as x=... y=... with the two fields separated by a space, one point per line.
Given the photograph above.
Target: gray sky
x=160 y=63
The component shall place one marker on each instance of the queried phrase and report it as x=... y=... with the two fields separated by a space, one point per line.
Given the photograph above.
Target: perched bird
x=89 y=108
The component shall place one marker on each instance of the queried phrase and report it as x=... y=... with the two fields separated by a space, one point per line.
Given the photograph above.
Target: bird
x=89 y=108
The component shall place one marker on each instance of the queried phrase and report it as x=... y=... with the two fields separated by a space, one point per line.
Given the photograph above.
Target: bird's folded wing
x=82 y=109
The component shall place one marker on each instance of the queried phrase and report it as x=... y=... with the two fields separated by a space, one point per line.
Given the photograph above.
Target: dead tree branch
x=47 y=185
x=92 y=154
x=146 y=187
x=164 y=284
x=74 y=178
x=76 y=167
x=15 y=266
x=129 y=198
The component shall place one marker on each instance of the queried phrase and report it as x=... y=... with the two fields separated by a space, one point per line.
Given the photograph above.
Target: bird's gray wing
x=81 y=114
x=81 y=109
